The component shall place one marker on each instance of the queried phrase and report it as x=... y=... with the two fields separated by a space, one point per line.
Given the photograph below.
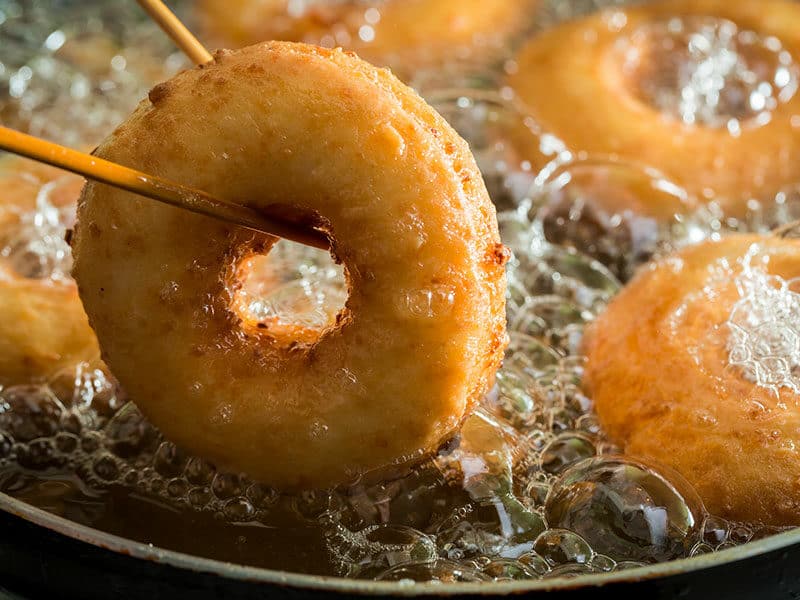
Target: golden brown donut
x=575 y=82
x=44 y=328
x=406 y=34
x=660 y=373
x=348 y=145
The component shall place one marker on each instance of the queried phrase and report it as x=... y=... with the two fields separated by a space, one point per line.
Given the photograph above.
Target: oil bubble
x=565 y=451
x=505 y=569
x=559 y=546
x=30 y=412
x=627 y=510
x=441 y=570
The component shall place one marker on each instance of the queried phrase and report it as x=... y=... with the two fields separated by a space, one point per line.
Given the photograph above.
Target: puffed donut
x=666 y=387
x=574 y=80
x=44 y=328
x=406 y=34
x=307 y=131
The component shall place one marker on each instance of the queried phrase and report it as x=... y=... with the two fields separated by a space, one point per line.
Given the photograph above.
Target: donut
x=406 y=34
x=693 y=365
x=623 y=83
x=44 y=327
x=321 y=136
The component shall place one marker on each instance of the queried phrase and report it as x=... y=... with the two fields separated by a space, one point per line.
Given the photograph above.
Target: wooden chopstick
x=175 y=29
x=155 y=188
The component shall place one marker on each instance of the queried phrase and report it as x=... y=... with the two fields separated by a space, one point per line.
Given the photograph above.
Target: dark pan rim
x=257 y=575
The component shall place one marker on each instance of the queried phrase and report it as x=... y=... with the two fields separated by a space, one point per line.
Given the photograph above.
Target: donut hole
x=707 y=71
x=293 y=293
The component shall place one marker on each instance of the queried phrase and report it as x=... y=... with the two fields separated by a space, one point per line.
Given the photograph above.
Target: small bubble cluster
x=764 y=326
x=707 y=71
x=34 y=242
x=72 y=73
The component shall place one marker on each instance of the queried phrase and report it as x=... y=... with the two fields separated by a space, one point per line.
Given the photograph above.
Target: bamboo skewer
x=154 y=187
x=198 y=54
x=175 y=29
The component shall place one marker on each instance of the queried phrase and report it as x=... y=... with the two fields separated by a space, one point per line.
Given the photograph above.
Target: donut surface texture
x=660 y=374
x=573 y=81
x=323 y=136
x=44 y=328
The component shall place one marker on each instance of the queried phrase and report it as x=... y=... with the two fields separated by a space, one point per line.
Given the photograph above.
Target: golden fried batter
x=407 y=34
x=658 y=370
x=44 y=328
x=423 y=330
x=574 y=81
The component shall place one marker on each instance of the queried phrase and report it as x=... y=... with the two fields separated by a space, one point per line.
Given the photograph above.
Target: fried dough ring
x=408 y=35
x=658 y=371
x=423 y=330
x=44 y=328
x=571 y=80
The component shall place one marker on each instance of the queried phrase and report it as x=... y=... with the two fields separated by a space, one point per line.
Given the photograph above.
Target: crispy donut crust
x=44 y=328
x=423 y=330
x=657 y=369
x=409 y=33
x=572 y=83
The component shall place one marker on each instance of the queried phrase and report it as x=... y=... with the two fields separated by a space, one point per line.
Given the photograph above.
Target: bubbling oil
x=530 y=488
x=708 y=71
x=71 y=73
x=764 y=341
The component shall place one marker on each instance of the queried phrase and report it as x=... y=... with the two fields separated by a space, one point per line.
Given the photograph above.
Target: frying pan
x=45 y=556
